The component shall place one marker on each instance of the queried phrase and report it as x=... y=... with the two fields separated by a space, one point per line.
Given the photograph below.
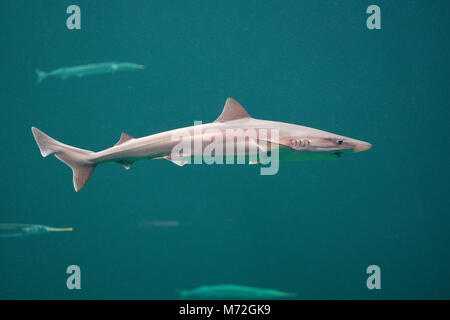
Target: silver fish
x=88 y=70
x=12 y=230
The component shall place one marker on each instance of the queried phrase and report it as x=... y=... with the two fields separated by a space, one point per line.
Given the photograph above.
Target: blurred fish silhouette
x=159 y=223
x=233 y=291
x=12 y=230
x=88 y=70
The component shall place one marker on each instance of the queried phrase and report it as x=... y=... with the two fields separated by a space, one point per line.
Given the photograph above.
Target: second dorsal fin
x=232 y=111
x=123 y=138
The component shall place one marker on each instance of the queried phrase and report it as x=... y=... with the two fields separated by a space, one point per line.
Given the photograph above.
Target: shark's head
x=324 y=143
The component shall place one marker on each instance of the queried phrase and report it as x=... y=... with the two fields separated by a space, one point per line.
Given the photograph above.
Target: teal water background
x=313 y=228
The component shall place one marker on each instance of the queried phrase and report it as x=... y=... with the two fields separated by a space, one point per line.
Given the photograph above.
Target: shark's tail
x=41 y=75
x=75 y=158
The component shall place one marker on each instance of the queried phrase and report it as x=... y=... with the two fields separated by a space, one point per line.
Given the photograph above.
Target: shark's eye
x=340 y=142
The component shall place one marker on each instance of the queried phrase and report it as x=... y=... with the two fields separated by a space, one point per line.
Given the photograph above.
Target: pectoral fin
x=179 y=161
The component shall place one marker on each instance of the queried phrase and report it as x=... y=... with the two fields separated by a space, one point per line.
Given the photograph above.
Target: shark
x=289 y=142
x=88 y=70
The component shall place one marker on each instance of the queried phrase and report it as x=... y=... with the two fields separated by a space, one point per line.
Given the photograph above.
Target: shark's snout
x=362 y=146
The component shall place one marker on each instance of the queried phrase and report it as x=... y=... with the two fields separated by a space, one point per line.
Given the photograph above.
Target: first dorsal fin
x=123 y=138
x=232 y=111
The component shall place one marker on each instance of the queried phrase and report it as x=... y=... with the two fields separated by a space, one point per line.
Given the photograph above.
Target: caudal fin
x=75 y=158
x=41 y=75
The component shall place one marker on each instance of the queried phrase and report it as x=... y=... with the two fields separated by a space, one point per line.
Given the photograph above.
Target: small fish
x=233 y=291
x=19 y=230
x=88 y=70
